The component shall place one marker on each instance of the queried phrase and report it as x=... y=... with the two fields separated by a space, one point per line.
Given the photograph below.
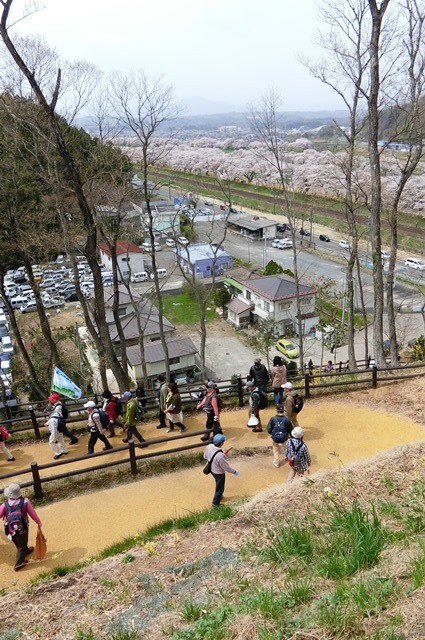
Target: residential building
x=270 y=297
x=203 y=259
x=165 y=220
x=182 y=353
x=129 y=257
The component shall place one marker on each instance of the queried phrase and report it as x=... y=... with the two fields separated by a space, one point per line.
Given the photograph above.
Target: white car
x=414 y=263
x=28 y=306
x=182 y=240
x=139 y=276
x=276 y=243
x=170 y=242
x=7 y=346
x=286 y=243
x=344 y=244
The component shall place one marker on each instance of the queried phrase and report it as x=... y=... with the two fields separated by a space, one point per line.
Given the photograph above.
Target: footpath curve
x=76 y=528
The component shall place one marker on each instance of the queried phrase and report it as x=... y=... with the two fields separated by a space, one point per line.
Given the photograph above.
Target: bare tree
x=47 y=97
x=265 y=122
x=145 y=106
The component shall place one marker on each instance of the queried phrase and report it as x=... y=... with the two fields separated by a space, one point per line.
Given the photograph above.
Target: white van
x=139 y=276
x=414 y=263
x=161 y=273
x=18 y=301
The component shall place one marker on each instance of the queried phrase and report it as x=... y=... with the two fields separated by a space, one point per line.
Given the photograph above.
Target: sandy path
x=76 y=528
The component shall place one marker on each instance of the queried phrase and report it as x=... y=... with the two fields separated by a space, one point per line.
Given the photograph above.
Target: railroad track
x=300 y=206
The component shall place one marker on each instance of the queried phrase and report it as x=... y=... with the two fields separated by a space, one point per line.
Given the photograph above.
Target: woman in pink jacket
x=15 y=511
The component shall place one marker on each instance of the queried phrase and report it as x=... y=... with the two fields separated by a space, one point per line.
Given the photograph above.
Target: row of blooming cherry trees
x=309 y=171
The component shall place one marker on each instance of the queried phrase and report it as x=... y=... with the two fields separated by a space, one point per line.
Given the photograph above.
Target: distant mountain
x=196 y=106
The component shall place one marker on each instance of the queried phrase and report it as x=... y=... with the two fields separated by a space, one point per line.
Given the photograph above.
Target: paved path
x=81 y=526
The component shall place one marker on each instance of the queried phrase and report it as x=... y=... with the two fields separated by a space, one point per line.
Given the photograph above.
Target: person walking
x=278 y=379
x=56 y=439
x=219 y=466
x=113 y=407
x=131 y=412
x=210 y=404
x=173 y=408
x=254 y=406
x=95 y=427
x=297 y=454
x=3 y=438
x=259 y=375
x=161 y=394
x=58 y=405
x=15 y=511
x=288 y=403
x=279 y=427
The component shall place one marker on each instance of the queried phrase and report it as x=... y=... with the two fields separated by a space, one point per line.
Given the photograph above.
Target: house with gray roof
x=253 y=226
x=270 y=297
x=182 y=352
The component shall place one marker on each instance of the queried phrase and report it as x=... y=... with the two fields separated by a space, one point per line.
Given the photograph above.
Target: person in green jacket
x=130 y=418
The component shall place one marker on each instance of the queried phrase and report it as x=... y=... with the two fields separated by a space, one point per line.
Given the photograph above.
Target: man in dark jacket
x=259 y=375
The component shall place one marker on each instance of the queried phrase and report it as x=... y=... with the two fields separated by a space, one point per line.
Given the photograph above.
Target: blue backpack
x=279 y=433
x=15 y=521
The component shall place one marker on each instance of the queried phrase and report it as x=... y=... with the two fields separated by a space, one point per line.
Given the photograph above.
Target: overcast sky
x=227 y=52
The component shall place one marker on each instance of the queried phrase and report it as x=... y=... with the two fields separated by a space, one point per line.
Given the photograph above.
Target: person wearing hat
x=95 y=427
x=259 y=375
x=57 y=405
x=210 y=405
x=288 y=403
x=161 y=394
x=54 y=422
x=279 y=427
x=15 y=511
x=219 y=465
x=254 y=419
x=131 y=420
x=297 y=450
x=112 y=406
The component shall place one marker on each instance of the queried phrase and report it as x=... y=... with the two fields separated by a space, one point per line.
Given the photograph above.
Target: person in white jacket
x=219 y=465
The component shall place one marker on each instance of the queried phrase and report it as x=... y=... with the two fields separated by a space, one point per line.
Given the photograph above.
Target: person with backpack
x=278 y=379
x=4 y=434
x=113 y=407
x=55 y=424
x=257 y=401
x=61 y=409
x=211 y=405
x=297 y=454
x=259 y=375
x=279 y=427
x=97 y=425
x=133 y=413
x=219 y=465
x=15 y=511
x=290 y=403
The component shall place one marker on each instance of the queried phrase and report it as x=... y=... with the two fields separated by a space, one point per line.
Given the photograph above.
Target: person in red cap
x=58 y=406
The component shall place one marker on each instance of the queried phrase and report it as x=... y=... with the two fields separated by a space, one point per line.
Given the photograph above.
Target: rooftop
x=277 y=287
x=155 y=353
x=122 y=246
x=201 y=251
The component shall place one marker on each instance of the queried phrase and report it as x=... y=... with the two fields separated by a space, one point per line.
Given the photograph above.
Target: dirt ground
x=338 y=431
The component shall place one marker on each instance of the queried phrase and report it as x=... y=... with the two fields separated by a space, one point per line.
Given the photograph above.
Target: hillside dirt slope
x=151 y=588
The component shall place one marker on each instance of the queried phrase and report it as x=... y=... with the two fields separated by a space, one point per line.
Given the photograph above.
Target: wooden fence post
x=8 y=411
x=34 y=423
x=38 y=490
x=374 y=376
x=132 y=453
x=307 y=385
x=240 y=391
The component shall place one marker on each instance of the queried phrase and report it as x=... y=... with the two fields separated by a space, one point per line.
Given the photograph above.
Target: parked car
x=414 y=263
x=170 y=242
x=276 y=243
x=283 y=227
x=233 y=210
x=18 y=301
x=140 y=276
x=28 y=307
x=3 y=331
x=182 y=240
x=70 y=297
x=344 y=244
x=53 y=302
x=208 y=203
x=7 y=345
x=304 y=232
x=286 y=243
x=324 y=238
x=286 y=347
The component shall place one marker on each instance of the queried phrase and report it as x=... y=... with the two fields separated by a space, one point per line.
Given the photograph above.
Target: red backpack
x=4 y=433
